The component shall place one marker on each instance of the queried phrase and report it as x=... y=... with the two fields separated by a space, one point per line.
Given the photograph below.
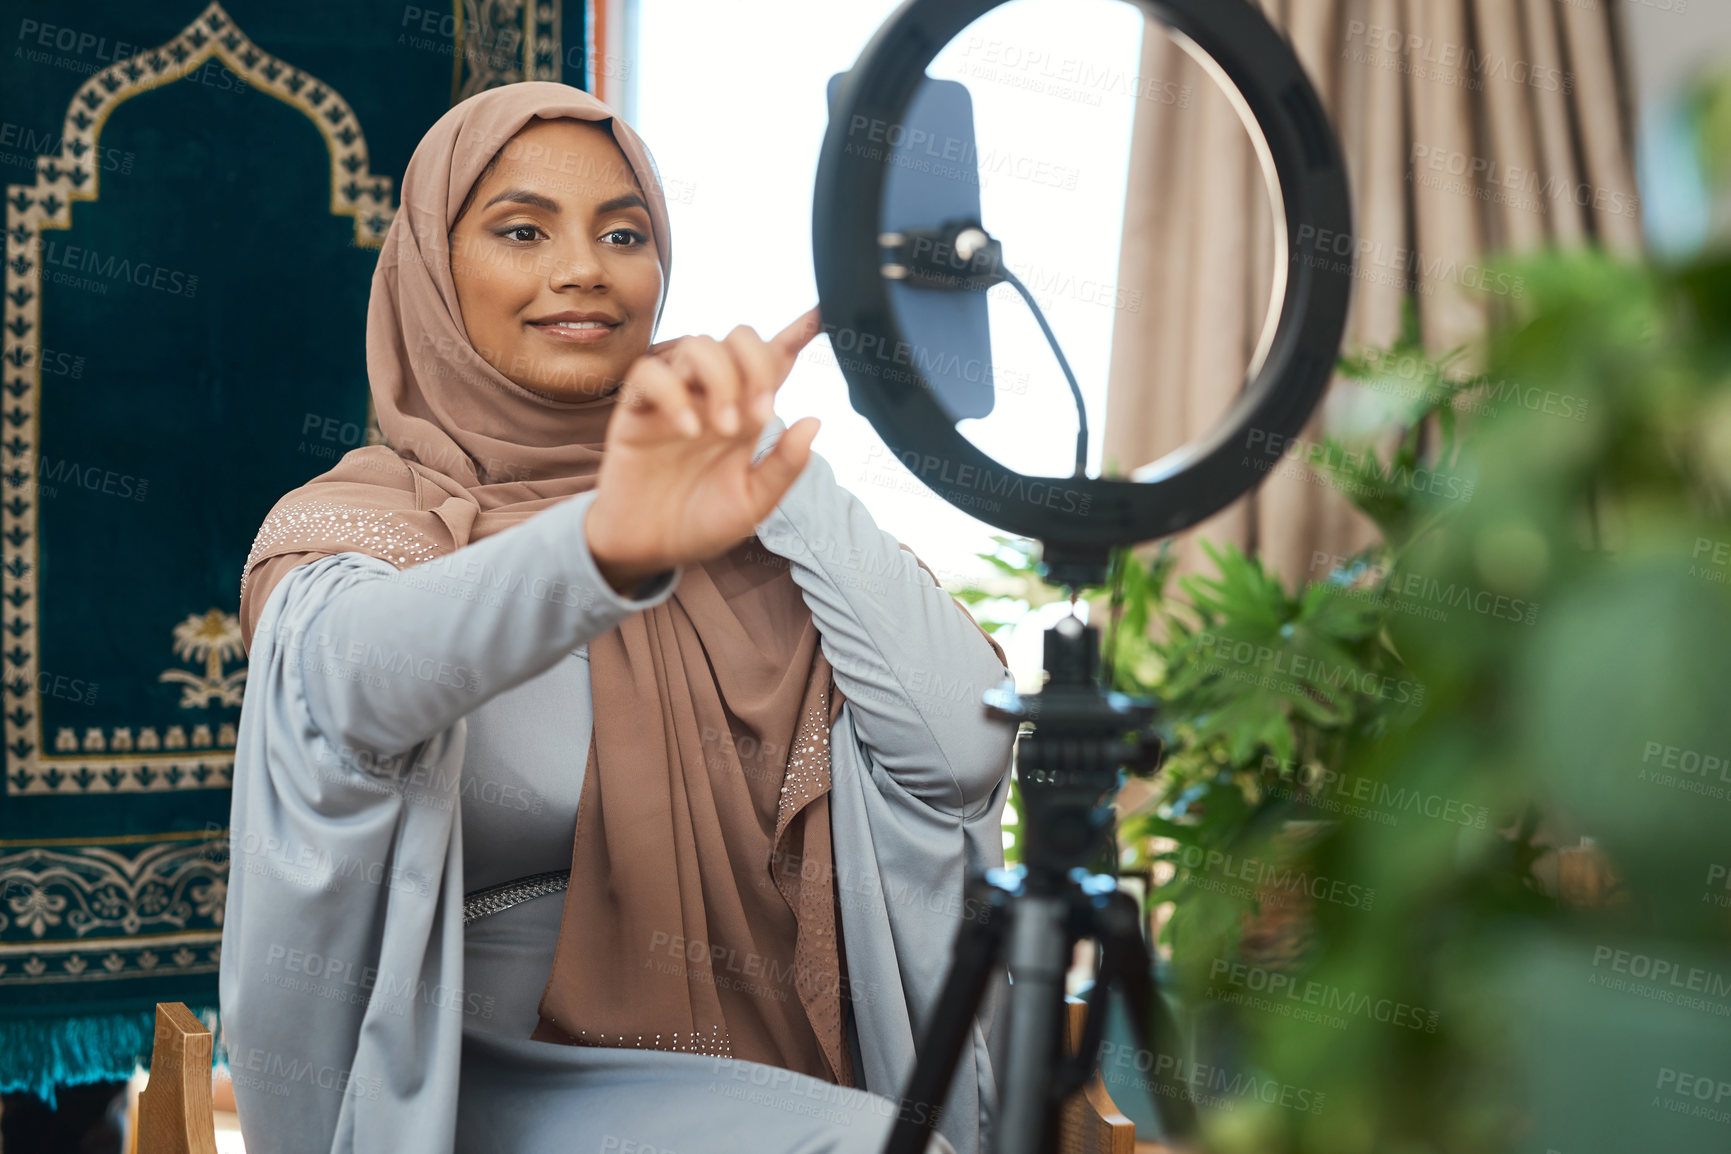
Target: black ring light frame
x=1293 y=362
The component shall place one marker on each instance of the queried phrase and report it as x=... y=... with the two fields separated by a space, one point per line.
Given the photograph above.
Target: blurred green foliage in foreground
x=1570 y=627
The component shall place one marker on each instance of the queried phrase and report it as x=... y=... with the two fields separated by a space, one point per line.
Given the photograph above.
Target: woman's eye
x=636 y=237
x=511 y=232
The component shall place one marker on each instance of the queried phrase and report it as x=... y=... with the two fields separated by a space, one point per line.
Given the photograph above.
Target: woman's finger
x=789 y=341
x=655 y=387
x=771 y=478
x=761 y=369
x=711 y=369
x=662 y=348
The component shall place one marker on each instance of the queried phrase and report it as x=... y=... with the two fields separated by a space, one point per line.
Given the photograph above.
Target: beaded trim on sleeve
x=373 y=531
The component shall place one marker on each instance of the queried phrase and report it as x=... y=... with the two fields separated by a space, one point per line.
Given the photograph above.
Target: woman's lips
x=589 y=333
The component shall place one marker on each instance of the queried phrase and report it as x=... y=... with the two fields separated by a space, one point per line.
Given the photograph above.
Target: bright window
x=731 y=99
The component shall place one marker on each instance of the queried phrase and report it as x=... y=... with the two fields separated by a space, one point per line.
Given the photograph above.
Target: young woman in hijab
x=592 y=612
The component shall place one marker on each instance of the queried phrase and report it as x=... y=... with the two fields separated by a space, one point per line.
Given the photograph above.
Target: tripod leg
x=975 y=954
x=1125 y=960
x=1038 y=955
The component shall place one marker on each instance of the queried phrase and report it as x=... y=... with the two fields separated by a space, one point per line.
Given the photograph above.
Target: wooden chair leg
x=174 y=1108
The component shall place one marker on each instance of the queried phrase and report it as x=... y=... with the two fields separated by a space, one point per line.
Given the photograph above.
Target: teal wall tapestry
x=195 y=195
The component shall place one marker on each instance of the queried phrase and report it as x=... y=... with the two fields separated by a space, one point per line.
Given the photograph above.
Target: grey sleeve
x=910 y=661
x=392 y=657
x=341 y=977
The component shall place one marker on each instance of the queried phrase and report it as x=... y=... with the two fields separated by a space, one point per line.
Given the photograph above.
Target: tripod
x=1035 y=914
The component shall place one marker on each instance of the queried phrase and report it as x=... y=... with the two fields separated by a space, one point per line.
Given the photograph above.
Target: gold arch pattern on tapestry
x=46 y=203
x=1511 y=83
x=355 y=191
x=542 y=43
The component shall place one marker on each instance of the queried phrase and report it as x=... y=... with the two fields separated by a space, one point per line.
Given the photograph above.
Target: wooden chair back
x=175 y=1113
x=1089 y=1121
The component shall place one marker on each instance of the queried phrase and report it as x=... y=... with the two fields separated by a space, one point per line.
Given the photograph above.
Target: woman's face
x=555 y=263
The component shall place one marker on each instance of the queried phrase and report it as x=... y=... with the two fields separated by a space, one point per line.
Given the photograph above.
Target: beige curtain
x=1469 y=126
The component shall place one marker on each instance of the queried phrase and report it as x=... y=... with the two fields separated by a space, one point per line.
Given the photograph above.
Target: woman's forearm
x=393 y=657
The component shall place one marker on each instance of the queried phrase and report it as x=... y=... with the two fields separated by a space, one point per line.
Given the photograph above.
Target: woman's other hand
x=676 y=484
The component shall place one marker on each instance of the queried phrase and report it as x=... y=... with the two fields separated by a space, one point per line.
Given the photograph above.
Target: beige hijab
x=702 y=913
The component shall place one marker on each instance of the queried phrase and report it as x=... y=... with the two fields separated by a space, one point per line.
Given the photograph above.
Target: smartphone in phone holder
x=934 y=176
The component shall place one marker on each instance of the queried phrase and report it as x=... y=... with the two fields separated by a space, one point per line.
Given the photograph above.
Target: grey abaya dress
x=358 y=1012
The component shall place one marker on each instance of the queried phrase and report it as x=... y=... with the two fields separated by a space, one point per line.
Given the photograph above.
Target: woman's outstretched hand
x=676 y=484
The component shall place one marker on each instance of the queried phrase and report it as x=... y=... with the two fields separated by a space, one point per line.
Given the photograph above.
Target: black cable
x=938 y=258
x=1075 y=391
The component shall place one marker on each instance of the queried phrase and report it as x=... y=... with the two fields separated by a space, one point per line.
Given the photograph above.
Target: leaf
x=1006 y=566
x=1153 y=825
